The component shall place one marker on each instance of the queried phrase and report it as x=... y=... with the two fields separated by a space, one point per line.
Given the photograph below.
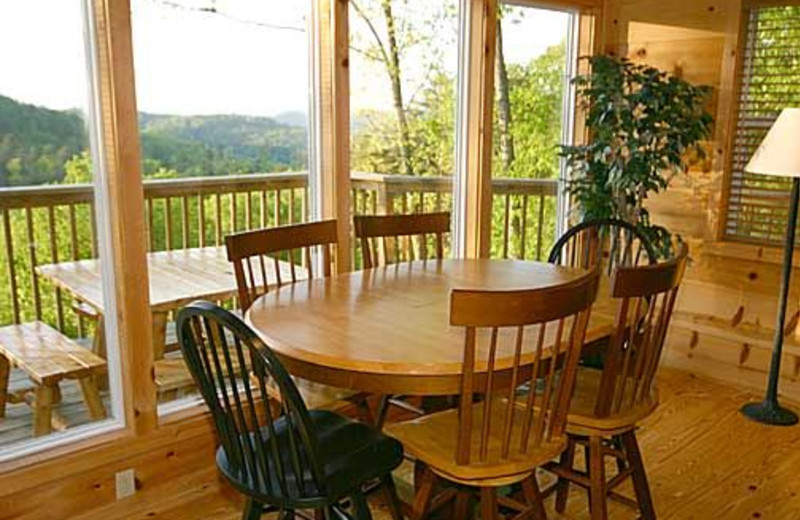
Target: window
x=757 y=205
x=532 y=117
x=59 y=375
x=403 y=71
x=223 y=99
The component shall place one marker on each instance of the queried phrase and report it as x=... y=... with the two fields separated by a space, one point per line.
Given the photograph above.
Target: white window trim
x=95 y=132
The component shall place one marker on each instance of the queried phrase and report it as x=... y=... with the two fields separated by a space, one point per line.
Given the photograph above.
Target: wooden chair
x=391 y=237
x=499 y=434
x=608 y=404
x=300 y=460
x=256 y=257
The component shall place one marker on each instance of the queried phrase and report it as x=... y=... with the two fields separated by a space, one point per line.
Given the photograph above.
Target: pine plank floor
x=704 y=461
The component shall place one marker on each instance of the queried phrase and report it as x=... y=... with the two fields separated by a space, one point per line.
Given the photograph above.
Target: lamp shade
x=779 y=152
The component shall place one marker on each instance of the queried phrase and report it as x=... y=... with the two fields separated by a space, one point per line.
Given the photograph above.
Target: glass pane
x=403 y=70
x=51 y=307
x=531 y=87
x=223 y=98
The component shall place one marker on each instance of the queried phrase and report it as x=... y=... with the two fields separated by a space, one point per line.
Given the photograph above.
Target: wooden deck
x=704 y=460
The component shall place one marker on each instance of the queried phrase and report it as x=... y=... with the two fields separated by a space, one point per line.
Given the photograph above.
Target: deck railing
x=52 y=223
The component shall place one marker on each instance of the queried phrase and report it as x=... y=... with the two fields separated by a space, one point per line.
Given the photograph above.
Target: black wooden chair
x=612 y=242
x=607 y=243
x=300 y=460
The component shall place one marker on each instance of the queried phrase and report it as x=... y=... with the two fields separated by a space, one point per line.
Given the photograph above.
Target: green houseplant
x=643 y=124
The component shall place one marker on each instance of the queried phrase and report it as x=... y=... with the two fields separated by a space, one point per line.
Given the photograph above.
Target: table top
x=176 y=277
x=387 y=329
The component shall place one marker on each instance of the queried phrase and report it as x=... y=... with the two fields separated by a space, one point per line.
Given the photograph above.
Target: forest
x=41 y=146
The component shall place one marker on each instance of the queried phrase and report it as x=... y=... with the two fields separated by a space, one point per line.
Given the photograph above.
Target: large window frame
x=734 y=82
x=109 y=28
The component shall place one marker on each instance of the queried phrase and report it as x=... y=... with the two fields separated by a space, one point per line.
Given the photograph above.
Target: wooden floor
x=704 y=460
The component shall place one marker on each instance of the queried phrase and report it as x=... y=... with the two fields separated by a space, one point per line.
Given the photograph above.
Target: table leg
x=159 y=334
x=5 y=371
x=91 y=396
x=41 y=413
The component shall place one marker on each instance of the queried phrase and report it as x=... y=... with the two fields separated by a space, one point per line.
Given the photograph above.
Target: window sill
x=749 y=252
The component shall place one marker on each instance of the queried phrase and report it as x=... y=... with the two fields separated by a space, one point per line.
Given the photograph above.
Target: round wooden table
x=387 y=330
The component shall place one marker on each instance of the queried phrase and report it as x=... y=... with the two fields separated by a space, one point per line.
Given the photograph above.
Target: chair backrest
x=255 y=253
x=538 y=335
x=232 y=368
x=609 y=242
x=393 y=235
x=645 y=298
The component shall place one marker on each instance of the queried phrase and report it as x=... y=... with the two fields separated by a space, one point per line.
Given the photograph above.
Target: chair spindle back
x=516 y=339
x=645 y=300
x=391 y=237
x=271 y=453
x=255 y=254
x=609 y=242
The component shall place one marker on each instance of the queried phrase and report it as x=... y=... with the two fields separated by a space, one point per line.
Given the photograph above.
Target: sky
x=249 y=58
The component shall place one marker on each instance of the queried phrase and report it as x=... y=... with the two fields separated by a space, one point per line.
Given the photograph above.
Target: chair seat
x=582 y=419
x=352 y=453
x=432 y=440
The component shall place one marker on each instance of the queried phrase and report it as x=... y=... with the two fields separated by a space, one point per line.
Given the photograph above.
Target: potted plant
x=643 y=124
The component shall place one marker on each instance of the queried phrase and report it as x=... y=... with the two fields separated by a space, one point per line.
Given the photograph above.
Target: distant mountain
x=293 y=118
x=35 y=142
x=226 y=143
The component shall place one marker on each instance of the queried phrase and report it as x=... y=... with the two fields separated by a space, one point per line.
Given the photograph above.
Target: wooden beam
x=333 y=64
x=478 y=95
x=728 y=104
x=579 y=5
x=124 y=203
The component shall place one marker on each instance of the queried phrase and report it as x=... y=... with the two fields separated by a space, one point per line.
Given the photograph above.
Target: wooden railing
x=52 y=223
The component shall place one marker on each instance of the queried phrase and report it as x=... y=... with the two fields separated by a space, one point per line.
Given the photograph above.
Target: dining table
x=176 y=277
x=386 y=330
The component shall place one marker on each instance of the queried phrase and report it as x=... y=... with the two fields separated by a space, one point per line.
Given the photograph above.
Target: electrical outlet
x=126 y=483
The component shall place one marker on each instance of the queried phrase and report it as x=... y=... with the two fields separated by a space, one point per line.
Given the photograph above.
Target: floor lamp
x=779 y=155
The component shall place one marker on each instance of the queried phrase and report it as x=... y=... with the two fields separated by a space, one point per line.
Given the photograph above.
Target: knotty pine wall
x=728 y=303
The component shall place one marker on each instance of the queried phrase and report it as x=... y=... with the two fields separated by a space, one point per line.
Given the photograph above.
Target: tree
x=505 y=138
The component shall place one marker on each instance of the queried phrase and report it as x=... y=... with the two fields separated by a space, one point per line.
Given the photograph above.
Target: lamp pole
x=769 y=411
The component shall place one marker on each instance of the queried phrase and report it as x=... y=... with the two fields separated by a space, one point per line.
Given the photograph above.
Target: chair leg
x=533 y=496
x=360 y=507
x=616 y=442
x=597 y=480
x=422 y=500
x=390 y=496
x=462 y=509
x=252 y=510
x=640 y=485
x=488 y=503
x=566 y=461
x=383 y=409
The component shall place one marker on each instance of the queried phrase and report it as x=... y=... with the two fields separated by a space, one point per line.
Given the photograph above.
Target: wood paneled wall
x=729 y=301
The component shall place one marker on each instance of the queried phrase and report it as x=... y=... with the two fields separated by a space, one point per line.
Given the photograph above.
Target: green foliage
x=643 y=123
x=43 y=146
x=35 y=142
x=536 y=92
